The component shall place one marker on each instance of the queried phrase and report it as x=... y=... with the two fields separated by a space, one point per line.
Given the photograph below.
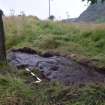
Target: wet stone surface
x=56 y=68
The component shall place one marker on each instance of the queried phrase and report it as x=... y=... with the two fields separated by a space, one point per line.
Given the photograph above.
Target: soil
x=55 y=67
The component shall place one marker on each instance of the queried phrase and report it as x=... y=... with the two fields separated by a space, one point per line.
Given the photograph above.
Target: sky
x=61 y=9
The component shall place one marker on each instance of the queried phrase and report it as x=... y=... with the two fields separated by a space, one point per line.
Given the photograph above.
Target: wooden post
x=2 y=41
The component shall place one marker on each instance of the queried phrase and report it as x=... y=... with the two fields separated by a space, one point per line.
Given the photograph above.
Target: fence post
x=2 y=41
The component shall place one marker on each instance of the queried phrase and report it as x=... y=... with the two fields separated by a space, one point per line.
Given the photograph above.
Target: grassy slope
x=82 y=39
x=15 y=91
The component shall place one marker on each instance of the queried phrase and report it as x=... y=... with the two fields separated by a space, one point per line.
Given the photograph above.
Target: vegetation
x=94 y=1
x=52 y=17
x=15 y=89
x=83 y=40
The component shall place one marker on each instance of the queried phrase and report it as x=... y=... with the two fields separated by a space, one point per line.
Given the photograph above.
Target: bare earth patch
x=56 y=67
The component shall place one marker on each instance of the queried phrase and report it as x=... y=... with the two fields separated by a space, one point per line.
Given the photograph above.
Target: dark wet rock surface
x=56 y=68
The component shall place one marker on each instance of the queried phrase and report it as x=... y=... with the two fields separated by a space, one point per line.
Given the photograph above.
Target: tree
x=94 y=1
x=2 y=41
x=52 y=17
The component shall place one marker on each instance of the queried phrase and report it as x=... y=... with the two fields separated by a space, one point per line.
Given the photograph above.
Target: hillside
x=71 y=39
x=94 y=13
x=83 y=42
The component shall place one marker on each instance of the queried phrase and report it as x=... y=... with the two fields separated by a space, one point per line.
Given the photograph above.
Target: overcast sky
x=59 y=8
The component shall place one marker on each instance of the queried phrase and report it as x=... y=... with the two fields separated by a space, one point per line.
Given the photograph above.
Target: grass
x=84 y=40
x=15 y=90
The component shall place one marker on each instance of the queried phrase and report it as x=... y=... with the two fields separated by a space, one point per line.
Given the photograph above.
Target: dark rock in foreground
x=56 y=68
